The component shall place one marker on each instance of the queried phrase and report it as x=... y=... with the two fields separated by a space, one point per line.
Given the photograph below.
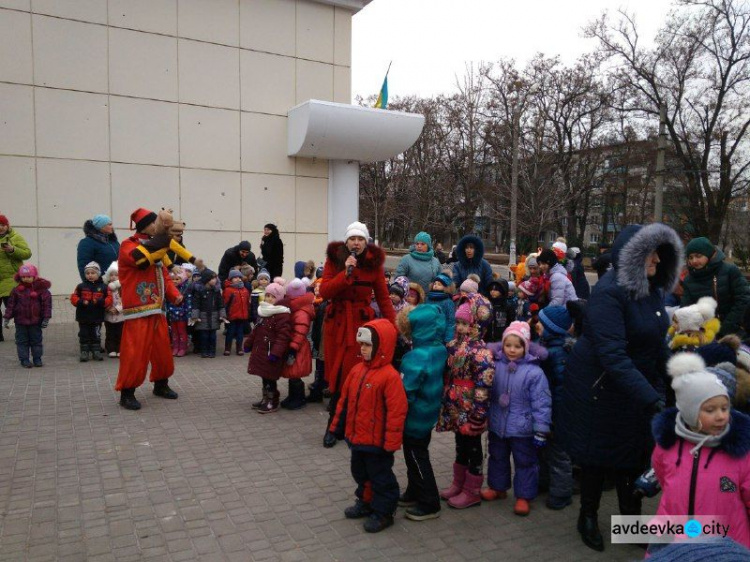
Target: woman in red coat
x=353 y=271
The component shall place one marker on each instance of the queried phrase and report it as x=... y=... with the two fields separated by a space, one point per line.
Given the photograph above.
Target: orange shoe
x=490 y=495
x=522 y=507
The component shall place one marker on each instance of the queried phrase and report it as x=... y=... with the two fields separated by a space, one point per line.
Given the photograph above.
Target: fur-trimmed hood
x=38 y=284
x=736 y=443
x=372 y=258
x=632 y=247
x=92 y=232
x=478 y=251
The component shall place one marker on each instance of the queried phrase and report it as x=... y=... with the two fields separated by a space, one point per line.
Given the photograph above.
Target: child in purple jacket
x=30 y=307
x=520 y=416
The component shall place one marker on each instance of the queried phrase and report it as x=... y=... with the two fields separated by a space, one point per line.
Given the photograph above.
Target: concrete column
x=343 y=196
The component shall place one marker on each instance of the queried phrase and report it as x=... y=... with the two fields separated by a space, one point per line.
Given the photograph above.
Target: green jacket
x=422 y=370
x=10 y=263
x=724 y=282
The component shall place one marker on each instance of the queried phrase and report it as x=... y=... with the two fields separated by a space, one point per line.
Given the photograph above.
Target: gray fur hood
x=632 y=247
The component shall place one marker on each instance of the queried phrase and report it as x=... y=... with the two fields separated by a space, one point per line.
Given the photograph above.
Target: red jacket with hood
x=302 y=316
x=349 y=307
x=372 y=409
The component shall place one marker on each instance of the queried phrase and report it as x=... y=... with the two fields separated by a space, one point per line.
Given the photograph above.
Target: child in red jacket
x=299 y=355
x=237 y=304
x=370 y=414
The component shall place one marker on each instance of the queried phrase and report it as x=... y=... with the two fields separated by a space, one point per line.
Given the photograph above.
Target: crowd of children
x=456 y=361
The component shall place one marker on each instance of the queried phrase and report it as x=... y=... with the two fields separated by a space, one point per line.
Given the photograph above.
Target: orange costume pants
x=144 y=340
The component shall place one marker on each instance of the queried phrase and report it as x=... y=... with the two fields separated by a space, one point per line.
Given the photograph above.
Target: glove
x=655 y=408
x=291 y=357
x=273 y=358
x=45 y=323
x=6 y=323
x=540 y=440
x=646 y=485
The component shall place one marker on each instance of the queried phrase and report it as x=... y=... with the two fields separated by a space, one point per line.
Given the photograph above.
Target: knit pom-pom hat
x=469 y=286
x=278 y=291
x=28 y=270
x=520 y=330
x=693 y=385
x=296 y=288
x=463 y=313
x=691 y=318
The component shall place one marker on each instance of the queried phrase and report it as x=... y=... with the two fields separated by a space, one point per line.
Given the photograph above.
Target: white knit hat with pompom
x=693 y=385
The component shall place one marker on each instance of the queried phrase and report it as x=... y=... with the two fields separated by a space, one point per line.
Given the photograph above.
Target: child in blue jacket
x=520 y=417
x=556 y=467
x=440 y=295
x=422 y=371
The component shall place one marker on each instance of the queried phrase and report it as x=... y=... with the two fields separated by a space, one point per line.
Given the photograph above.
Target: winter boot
x=228 y=349
x=376 y=523
x=84 y=353
x=588 y=527
x=175 y=344
x=316 y=388
x=162 y=390
x=182 y=347
x=259 y=404
x=296 y=399
x=359 y=510
x=127 y=399
x=271 y=404
x=522 y=507
x=459 y=475
x=469 y=495
x=490 y=495
x=96 y=352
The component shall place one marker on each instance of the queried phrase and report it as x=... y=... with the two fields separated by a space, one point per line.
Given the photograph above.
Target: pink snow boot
x=469 y=496
x=459 y=475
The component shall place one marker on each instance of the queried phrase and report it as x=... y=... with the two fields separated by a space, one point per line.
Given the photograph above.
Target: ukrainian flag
x=382 y=102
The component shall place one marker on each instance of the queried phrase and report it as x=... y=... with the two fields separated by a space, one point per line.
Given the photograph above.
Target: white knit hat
x=691 y=318
x=357 y=229
x=693 y=385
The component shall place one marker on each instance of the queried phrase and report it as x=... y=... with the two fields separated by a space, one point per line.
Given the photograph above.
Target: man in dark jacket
x=272 y=250
x=234 y=256
x=710 y=276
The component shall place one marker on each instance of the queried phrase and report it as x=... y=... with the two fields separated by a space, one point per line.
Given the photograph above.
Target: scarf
x=699 y=439
x=265 y=310
x=423 y=256
x=99 y=236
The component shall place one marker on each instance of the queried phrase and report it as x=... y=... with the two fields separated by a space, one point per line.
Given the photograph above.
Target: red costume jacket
x=142 y=290
x=349 y=306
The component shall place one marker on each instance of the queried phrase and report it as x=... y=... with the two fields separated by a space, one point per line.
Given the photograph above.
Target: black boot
x=329 y=440
x=316 y=388
x=588 y=527
x=162 y=390
x=127 y=399
x=296 y=399
x=96 y=351
x=84 y=353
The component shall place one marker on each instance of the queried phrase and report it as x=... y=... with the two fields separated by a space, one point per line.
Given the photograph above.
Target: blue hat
x=100 y=221
x=423 y=237
x=234 y=273
x=444 y=279
x=556 y=319
x=715 y=353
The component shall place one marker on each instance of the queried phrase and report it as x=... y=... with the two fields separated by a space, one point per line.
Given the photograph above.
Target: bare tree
x=699 y=70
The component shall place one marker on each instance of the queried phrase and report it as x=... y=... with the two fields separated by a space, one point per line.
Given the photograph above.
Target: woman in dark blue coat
x=470 y=255
x=99 y=244
x=615 y=379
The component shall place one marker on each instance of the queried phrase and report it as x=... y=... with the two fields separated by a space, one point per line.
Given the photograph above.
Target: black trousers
x=113 y=336
x=376 y=482
x=592 y=484
x=469 y=452
x=421 y=487
x=89 y=334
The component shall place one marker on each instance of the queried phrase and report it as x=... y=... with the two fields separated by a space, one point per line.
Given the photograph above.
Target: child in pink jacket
x=701 y=457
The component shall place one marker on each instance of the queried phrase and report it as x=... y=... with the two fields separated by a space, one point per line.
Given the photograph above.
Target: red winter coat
x=372 y=409
x=270 y=337
x=302 y=316
x=237 y=302
x=349 y=306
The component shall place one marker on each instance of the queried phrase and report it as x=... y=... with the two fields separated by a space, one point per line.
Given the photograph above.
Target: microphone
x=350 y=268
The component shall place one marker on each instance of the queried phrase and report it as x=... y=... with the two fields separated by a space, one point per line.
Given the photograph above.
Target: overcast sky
x=429 y=41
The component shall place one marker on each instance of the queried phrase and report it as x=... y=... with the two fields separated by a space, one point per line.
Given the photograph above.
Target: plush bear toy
x=164 y=239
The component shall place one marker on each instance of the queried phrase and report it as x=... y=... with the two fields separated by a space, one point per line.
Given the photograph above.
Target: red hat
x=4 y=220
x=141 y=218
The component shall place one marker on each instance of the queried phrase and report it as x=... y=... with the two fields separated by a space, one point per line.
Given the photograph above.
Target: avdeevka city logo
x=693 y=528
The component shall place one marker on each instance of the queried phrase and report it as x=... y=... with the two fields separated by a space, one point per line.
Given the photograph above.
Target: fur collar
x=736 y=443
x=629 y=259
x=372 y=258
x=460 y=253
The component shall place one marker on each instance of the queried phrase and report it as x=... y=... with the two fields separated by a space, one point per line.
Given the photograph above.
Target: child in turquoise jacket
x=422 y=374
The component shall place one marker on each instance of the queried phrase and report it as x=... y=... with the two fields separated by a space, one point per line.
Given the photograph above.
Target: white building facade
x=110 y=105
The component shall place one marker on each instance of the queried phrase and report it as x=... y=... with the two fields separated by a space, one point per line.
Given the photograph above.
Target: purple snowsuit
x=520 y=405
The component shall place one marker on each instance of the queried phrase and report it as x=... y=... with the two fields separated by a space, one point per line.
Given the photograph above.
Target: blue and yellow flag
x=382 y=102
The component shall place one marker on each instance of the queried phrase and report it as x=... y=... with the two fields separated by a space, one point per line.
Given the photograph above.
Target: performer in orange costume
x=145 y=336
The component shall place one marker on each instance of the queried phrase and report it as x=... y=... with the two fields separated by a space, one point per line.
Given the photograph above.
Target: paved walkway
x=206 y=478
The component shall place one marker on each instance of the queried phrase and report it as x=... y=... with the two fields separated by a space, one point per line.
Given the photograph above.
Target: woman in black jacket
x=272 y=250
